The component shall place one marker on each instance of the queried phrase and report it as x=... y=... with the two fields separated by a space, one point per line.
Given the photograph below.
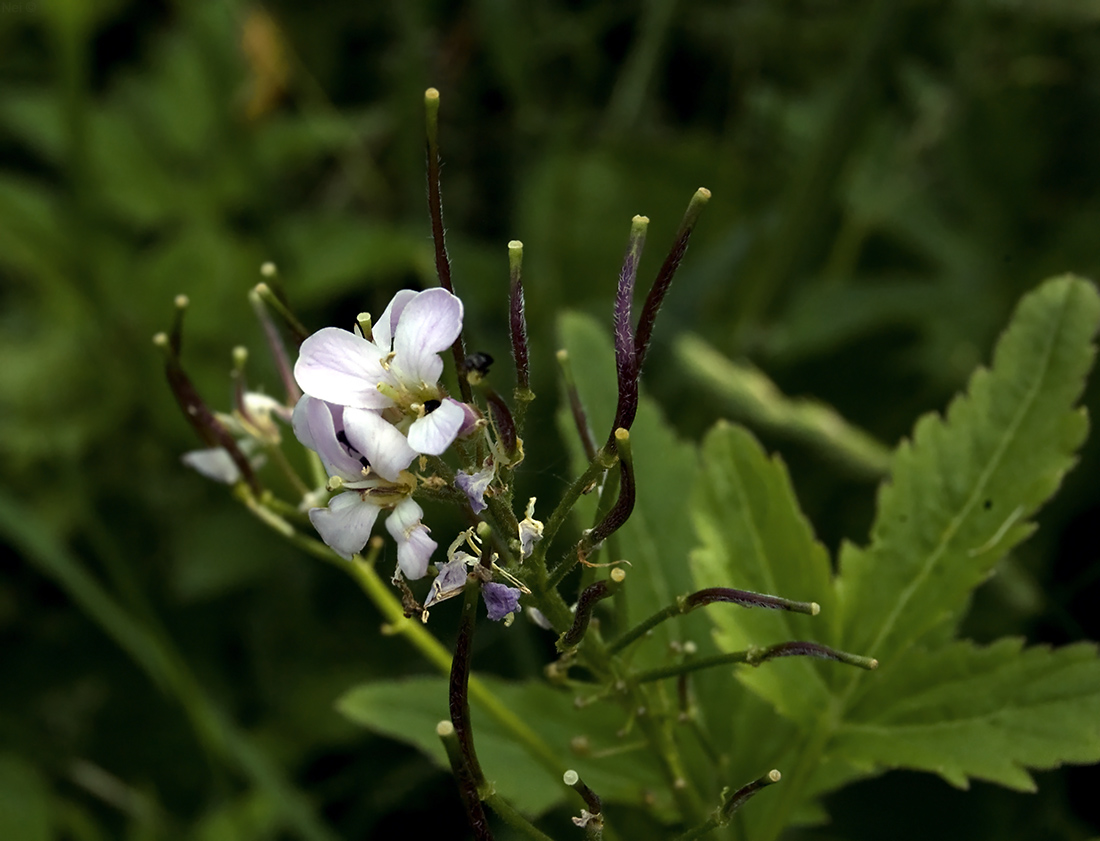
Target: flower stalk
x=711 y=595
x=757 y=656
x=663 y=281
x=730 y=804
x=435 y=211
x=626 y=362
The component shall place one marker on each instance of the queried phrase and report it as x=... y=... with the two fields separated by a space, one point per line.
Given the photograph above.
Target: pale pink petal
x=414 y=547
x=435 y=432
x=342 y=368
x=380 y=442
x=384 y=327
x=346 y=524
x=429 y=324
x=316 y=424
x=215 y=463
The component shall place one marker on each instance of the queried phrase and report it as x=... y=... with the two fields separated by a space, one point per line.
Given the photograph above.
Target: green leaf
x=408 y=710
x=754 y=537
x=25 y=801
x=986 y=712
x=962 y=492
x=960 y=498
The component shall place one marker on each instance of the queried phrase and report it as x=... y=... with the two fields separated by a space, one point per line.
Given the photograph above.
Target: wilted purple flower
x=474 y=486
x=500 y=600
x=395 y=371
x=369 y=456
x=450 y=581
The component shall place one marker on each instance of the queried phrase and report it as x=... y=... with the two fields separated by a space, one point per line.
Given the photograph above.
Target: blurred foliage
x=888 y=178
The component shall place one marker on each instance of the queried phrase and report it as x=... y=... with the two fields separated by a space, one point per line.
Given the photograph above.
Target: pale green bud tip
x=622 y=435
x=774 y=776
x=161 y=340
x=240 y=355
x=261 y=289
x=562 y=355
x=431 y=95
x=269 y=269
x=702 y=195
x=639 y=224
x=445 y=729
x=515 y=245
x=815 y=608
x=484 y=530
x=873 y=664
x=618 y=575
x=182 y=302
x=571 y=777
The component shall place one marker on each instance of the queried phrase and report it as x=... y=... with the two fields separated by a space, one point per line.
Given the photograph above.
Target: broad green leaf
x=754 y=537
x=963 y=490
x=409 y=710
x=955 y=710
x=967 y=711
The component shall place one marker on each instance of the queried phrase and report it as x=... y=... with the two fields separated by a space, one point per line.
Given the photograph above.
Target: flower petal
x=380 y=442
x=430 y=323
x=450 y=582
x=342 y=368
x=435 y=432
x=215 y=463
x=500 y=600
x=317 y=425
x=383 y=329
x=474 y=486
x=414 y=547
x=346 y=524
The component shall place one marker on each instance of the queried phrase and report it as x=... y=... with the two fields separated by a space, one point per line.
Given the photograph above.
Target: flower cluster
x=372 y=403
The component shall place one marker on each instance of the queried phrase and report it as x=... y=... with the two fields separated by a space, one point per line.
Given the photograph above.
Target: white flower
x=395 y=371
x=253 y=425
x=369 y=457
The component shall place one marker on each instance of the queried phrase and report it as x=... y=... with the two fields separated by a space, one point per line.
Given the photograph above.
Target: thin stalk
x=603 y=460
x=459 y=702
x=468 y=788
x=435 y=210
x=513 y=818
x=756 y=656
x=730 y=804
x=701 y=598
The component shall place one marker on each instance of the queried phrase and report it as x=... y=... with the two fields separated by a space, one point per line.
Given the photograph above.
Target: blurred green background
x=888 y=178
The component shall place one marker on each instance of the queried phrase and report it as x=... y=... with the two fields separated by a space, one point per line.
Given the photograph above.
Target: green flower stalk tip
x=240 y=357
x=182 y=302
x=444 y=729
x=269 y=270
